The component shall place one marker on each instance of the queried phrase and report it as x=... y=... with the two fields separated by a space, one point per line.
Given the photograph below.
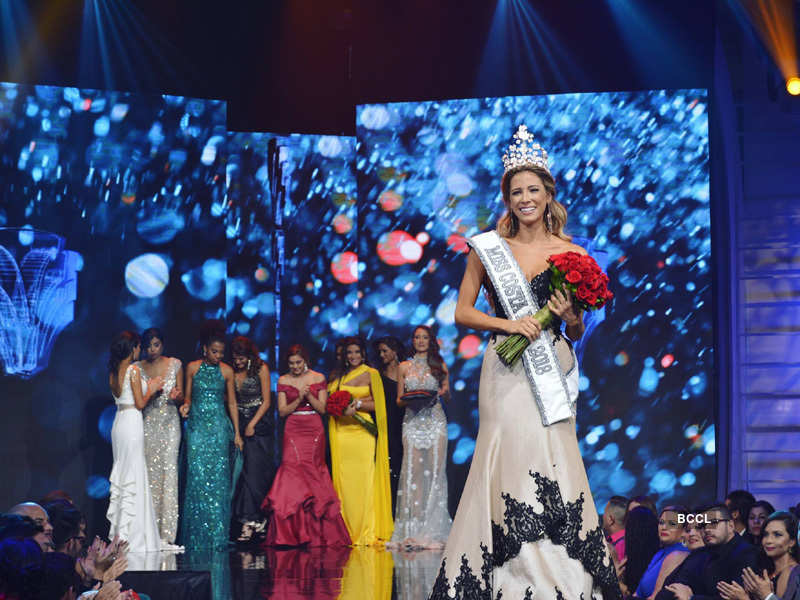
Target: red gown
x=302 y=505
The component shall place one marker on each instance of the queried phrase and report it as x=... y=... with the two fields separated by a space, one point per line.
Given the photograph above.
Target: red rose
x=573 y=276
x=338 y=402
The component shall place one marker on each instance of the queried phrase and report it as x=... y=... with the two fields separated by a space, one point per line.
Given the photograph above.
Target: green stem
x=368 y=425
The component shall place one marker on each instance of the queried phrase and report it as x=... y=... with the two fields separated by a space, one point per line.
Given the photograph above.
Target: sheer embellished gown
x=258 y=468
x=422 y=493
x=162 y=440
x=209 y=456
x=130 y=509
x=302 y=505
x=526 y=525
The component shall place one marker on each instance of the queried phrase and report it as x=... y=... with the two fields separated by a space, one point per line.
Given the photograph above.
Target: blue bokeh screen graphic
x=172 y=220
x=632 y=170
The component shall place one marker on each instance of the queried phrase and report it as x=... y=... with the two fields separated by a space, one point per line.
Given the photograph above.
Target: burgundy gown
x=302 y=504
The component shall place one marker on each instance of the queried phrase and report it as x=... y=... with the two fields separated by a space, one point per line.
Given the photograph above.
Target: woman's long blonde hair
x=508 y=225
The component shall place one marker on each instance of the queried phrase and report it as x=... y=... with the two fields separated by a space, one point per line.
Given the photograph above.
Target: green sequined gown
x=209 y=450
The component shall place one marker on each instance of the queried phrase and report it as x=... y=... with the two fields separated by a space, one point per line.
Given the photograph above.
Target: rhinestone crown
x=523 y=151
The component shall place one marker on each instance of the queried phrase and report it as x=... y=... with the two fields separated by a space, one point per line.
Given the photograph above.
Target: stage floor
x=294 y=573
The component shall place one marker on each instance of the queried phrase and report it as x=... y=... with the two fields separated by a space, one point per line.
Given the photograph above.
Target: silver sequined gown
x=422 y=492
x=162 y=439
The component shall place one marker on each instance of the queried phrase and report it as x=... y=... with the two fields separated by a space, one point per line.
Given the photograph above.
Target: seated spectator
x=645 y=501
x=59 y=579
x=641 y=543
x=671 y=554
x=69 y=527
x=614 y=524
x=727 y=555
x=692 y=538
x=756 y=518
x=20 y=569
x=17 y=527
x=782 y=580
x=30 y=509
x=739 y=503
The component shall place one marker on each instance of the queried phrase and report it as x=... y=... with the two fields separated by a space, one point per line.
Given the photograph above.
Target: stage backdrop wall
x=136 y=187
x=168 y=219
x=632 y=170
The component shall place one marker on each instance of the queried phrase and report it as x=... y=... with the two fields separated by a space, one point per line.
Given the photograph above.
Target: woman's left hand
x=350 y=410
x=250 y=430
x=731 y=591
x=756 y=585
x=560 y=304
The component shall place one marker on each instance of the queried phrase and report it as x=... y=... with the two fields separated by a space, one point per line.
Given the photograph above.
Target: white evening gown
x=130 y=510
x=526 y=526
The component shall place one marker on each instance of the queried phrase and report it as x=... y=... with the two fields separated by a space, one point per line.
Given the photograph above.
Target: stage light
x=793 y=86
x=774 y=22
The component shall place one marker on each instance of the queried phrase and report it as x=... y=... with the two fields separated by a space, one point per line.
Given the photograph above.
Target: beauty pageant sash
x=554 y=392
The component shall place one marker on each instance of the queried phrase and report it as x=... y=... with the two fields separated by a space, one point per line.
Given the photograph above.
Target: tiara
x=523 y=151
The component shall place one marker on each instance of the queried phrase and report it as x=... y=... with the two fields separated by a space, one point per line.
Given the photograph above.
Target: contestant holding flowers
x=302 y=505
x=359 y=449
x=526 y=525
x=422 y=520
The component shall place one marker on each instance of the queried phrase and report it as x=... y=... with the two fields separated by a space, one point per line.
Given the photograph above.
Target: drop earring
x=548 y=217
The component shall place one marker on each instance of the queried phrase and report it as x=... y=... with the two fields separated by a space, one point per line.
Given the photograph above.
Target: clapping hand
x=731 y=591
x=175 y=395
x=680 y=591
x=758 y=586
x=111 y=590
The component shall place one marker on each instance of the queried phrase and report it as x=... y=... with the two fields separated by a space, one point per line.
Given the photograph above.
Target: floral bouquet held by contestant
x=340 y=401
x=575 y=272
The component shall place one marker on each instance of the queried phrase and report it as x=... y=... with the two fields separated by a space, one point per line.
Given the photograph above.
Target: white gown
x=130 y=510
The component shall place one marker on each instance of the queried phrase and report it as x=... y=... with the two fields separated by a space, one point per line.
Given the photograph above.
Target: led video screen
x=632 y=170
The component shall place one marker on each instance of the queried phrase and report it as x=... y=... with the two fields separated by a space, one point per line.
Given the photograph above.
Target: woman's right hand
x=184 y=410
x=155 y=384
x=526 y=326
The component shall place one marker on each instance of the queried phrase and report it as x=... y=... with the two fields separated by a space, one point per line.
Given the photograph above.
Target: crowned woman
x=526 y=525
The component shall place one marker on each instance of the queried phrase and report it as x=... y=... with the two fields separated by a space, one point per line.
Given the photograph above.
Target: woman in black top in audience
x=641 y=543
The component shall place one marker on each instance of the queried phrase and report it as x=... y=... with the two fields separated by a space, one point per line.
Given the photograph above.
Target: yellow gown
x=360 y=464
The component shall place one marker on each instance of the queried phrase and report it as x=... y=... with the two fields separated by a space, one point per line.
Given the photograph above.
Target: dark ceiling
x=302 y=66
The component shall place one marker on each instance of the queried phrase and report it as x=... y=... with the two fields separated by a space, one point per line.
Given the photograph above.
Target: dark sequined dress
x=209 y=450
x=526 y=525
x=259 y=467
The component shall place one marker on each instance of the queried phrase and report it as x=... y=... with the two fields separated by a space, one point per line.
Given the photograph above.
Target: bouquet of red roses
x=578 y=273
x=339 y=401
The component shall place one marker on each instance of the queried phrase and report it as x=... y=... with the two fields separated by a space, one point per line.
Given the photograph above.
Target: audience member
x=739 y=503
x=641 y=543
x=69 y=527
x=20 y=568
x=59 y=579
x=645 y=501
x=671 y=554
x=692 y=538
x=614 y=524
x=728 y=555
x=756 y=517
x=18 y=527
x=781 y=581
x=30 y=509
